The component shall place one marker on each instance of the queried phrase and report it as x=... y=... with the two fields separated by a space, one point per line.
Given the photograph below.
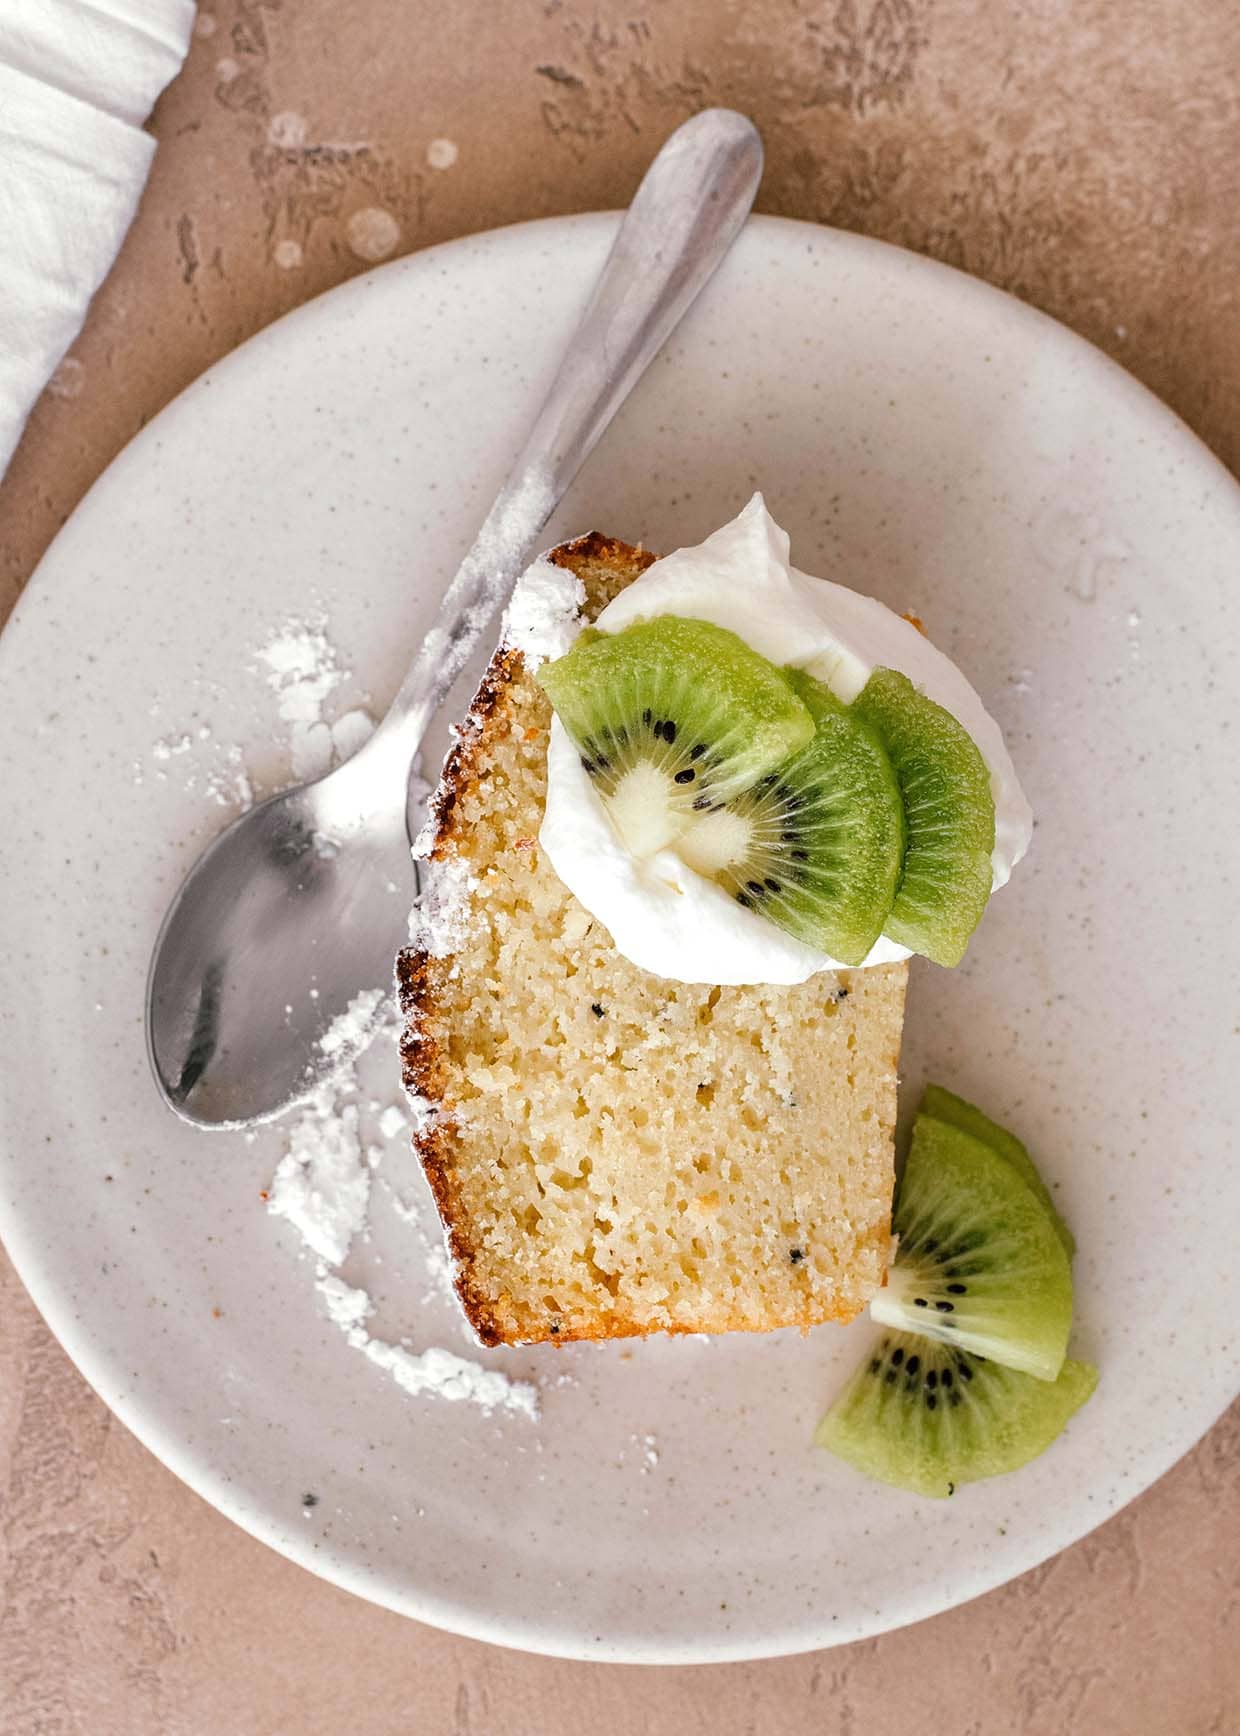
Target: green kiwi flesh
x=927 y=1416
x=950 y=814
x=672 y=717
x=817 y=844
x=944 y=1105
x=979 y=1263
x=837 y=823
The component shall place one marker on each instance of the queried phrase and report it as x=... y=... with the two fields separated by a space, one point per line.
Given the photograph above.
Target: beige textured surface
x=1079 y=152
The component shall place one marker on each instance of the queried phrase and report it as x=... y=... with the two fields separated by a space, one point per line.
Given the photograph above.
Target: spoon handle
x=687 y=212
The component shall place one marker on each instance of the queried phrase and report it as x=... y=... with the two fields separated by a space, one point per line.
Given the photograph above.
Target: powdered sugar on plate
x=454 y=1377
x=169 y=746
x=229 y=784
x=324 y=1183
x=227 y=781
x=303 y=670
x=355 y=1029
x=436 y=1371
x=322 y=1186
x=393 y=1121
x=347 y=1307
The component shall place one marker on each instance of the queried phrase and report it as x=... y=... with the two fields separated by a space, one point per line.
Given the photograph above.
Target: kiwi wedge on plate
x=973 y=1381
x=950 y=813
x=944 y=1105
x=928 y=1416
x=672 y=717
x=979 y=1263
x=816 y=845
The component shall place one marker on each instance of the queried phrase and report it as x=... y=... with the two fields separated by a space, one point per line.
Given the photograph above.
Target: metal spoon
x=302 y=903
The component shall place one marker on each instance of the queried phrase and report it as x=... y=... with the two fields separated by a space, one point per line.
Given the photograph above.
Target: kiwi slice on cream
x=836 y=822
x=949 y=811
x=816 y=845
x=672 y=717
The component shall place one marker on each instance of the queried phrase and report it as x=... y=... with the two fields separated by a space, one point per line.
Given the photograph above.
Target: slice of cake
x=612 y=1151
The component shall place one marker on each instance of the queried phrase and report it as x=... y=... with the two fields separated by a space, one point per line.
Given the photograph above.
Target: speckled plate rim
x=1190 y=1421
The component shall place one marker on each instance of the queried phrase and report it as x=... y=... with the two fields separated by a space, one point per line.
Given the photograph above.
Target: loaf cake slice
x=613 y=1153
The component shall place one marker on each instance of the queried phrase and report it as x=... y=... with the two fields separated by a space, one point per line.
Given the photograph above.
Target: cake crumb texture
x=613 y=1153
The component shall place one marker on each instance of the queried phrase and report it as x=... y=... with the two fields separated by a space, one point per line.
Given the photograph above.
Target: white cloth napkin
x=77 y=79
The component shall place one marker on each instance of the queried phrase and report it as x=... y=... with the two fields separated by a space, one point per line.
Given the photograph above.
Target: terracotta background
x=1081 y=153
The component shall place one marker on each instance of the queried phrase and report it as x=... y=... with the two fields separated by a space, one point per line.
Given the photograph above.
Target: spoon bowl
x=294 y=911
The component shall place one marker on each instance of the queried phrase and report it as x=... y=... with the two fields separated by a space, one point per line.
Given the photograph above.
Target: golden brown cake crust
x=509 y=716
x=422 y=1062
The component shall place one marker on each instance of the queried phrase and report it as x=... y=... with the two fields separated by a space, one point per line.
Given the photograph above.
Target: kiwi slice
x=672 y=717
x=979 y=1263
x=815 y=845
x=950 y=814
x=928 y=1416
x=944 y=1105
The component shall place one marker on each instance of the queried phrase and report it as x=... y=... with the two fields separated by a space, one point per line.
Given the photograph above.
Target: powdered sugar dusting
x=355 y=1029
x=226 y=782
x=347 y=1307
x=169 y=746
x=229 y=784
x=544 y=616
x=435 y=1370
x=420 y=1109
x=454 y=1377
x=421 y=849
x=510 y=528
x=303 y=670
x=483 y=582
x=321 y=1184
x=350 y=732
x=440 y=919
x=393 y=1121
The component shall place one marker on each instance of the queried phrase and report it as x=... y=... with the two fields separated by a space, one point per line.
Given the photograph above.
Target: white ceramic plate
x=922 y=437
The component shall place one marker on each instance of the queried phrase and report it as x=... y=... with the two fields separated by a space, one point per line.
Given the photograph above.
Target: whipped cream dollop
x=660 y=913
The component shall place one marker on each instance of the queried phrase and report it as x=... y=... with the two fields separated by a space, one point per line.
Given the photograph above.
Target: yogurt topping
x=660 y=913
